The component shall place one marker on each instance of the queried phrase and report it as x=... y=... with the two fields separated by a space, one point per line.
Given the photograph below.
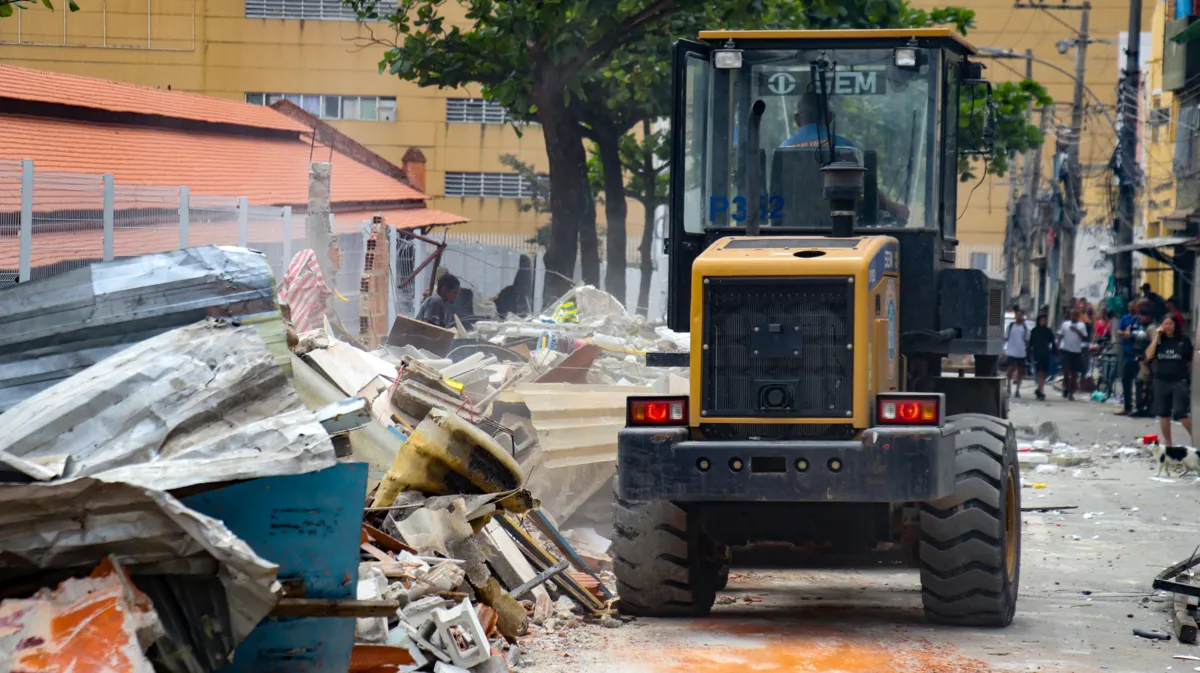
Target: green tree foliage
x=1013 y=134
x=590 y=70
x=6 y=6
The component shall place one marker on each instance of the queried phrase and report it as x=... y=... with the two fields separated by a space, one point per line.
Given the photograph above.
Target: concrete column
x=184 y=215
x=109 y=232
x=26 y=232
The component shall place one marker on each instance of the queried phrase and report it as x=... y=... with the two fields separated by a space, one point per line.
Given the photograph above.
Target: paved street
x=1086 y=577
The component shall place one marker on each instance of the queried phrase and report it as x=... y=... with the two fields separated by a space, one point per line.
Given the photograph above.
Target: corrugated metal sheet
x=53 y=328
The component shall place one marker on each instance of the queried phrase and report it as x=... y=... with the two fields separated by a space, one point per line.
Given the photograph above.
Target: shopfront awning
x=1147 y=244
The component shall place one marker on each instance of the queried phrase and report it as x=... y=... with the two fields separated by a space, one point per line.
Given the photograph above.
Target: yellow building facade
x=1000 y=25
x=1160 y=108
x=319 y=60
x=228 y=48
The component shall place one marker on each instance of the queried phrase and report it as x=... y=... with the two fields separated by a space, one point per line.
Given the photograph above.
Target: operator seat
x=796 y=177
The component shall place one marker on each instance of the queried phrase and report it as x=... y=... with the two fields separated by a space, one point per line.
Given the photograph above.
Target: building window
x=980 y=260
x=476 y=111
x=364 y=108
x=492 y=185
x=313 y=10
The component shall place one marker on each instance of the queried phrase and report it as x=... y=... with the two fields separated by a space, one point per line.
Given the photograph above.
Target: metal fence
x=54 y=221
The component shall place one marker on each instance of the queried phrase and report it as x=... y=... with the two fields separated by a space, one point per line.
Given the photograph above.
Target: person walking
x=1106 y=350
x=1128 y=354
x=1016 y=347
x=1171 y=354
x=1072 y=336
x=1143 y=334
x=1041 y=347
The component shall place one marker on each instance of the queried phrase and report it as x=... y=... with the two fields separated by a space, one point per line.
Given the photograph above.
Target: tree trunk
x=615 y=212
x=572 y=210
x=650 y=202
x=647 y=267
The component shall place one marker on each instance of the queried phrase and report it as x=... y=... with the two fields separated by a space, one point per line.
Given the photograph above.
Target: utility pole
x=1016 y=241
x=1033 y=178
x=1066 y=285
x=1033 y=165
x=1127 y=169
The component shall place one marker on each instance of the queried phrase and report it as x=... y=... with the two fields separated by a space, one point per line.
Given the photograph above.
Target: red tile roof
x=101 y=94
x=267 y=170
x=88 y=244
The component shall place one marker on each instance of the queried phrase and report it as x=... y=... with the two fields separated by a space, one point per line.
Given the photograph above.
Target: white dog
x=1186 y=457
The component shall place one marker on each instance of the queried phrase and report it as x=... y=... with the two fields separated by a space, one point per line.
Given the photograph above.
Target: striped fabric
x=304 y=290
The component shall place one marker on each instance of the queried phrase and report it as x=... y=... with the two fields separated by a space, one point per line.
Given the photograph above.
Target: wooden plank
x=376 y=552
x=1182 y=621
x=332 y=607
x=508 y=561
x=384 y=541
x=542 y=560
x=543 y=524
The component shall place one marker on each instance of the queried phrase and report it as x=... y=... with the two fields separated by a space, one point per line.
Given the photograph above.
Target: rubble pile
x=228 y=490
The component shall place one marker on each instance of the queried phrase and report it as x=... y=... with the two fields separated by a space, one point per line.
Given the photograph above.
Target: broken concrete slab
x=577 y=424
x=508 y=561
x=442 y=578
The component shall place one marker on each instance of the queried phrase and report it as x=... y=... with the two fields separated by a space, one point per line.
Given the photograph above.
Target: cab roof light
x=727 y=59
x=656 y=411
x=908 y=410
x=906 y=57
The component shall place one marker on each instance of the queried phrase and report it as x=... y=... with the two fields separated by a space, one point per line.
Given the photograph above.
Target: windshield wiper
x=752 y=171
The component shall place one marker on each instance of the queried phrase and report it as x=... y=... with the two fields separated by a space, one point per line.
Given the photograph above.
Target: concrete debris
x=458 y=429
x=1032 y=458
x=432 y=531
x=443 y=578
x=462 y=635
x=1046 y=469
x=97 y=623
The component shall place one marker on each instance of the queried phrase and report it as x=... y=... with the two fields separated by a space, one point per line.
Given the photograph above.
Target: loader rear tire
x=970 y=547
x=663 y=563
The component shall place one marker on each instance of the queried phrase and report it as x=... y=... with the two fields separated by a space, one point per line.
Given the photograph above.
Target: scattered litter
x=1090 y=515
x=1162 y=480
x=1046 y=469
x=1033 y=458
x=1152 y=634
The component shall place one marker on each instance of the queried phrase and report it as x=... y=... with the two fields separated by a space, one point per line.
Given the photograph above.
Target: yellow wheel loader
x=813 y=209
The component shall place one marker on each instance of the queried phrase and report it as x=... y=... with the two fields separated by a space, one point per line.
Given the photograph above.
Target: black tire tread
x=659 y=573
x=962 y=550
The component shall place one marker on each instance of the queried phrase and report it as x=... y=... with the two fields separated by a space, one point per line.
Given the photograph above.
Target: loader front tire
x=970 y=547
x=662 y=561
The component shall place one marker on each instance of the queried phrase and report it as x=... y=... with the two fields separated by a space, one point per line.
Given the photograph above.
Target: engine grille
x=815 y=369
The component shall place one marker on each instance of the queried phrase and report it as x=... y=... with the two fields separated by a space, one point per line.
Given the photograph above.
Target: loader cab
x=886 y=100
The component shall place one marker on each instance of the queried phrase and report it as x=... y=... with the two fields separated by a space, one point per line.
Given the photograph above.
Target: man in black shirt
x=1041 y=346
x=1156 y=304
x=1171 y=353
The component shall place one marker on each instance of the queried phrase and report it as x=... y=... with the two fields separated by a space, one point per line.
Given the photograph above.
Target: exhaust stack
x=843 y=189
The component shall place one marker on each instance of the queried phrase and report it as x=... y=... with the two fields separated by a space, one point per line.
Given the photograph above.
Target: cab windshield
x=820 y=106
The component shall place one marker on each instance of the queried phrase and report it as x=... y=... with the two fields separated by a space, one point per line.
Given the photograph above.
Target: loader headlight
x=727 y=59
x=905 y=57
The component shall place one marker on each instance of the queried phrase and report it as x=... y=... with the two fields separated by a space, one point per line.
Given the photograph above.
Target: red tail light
x=656 y=411
x=908 y=409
